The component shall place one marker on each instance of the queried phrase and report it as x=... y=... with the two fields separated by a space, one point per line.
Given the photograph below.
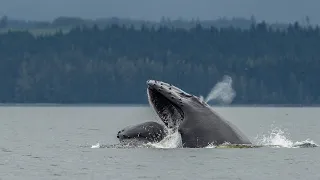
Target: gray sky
x=269 y=10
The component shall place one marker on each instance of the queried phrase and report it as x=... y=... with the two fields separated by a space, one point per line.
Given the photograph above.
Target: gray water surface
x=56 y=143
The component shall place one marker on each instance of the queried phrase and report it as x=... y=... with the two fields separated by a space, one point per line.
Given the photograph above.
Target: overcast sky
x=269 y=10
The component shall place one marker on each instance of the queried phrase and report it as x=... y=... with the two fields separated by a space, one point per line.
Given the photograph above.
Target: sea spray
x=279 y=138
x=173 y=140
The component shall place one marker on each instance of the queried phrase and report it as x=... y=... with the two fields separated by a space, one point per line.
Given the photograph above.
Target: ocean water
x=65 y=142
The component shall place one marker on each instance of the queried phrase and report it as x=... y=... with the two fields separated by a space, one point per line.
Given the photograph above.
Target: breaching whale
x=197 y=123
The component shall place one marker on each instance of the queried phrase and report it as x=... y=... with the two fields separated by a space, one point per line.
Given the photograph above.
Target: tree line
x=112 y=64
x=65 y=22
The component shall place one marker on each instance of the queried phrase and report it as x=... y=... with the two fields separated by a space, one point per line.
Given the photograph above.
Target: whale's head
x=171 y=103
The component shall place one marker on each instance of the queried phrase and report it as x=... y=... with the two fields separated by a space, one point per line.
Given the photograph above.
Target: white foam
x=172 y=140
x=210 y=146
x=280 y=139
x=96 y=146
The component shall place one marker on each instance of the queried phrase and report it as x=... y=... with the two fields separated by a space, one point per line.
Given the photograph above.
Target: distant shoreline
x=140 y=105
x=90 y=66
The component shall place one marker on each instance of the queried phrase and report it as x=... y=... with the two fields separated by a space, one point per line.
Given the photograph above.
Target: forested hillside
x=111 y=65
x=66 y=23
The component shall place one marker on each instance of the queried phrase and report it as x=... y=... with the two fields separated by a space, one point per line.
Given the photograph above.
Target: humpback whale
x=197 y=123
x=145 y=132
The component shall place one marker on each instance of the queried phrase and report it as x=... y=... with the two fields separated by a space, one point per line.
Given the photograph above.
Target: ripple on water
x=5 y=150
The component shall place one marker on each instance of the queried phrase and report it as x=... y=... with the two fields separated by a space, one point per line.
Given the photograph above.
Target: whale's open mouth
x=168 y=111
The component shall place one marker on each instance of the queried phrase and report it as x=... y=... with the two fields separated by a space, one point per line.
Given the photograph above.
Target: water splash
x=96 y=146
x=172 y=140
x=278 y=138
x=222 y=92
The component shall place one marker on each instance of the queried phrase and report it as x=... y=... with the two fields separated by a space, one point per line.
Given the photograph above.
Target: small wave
x=120 y=146
x=96 y=146
x=5 y=150
x=228 y=145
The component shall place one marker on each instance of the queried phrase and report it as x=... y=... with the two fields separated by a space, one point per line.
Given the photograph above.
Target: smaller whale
x=143 y=133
